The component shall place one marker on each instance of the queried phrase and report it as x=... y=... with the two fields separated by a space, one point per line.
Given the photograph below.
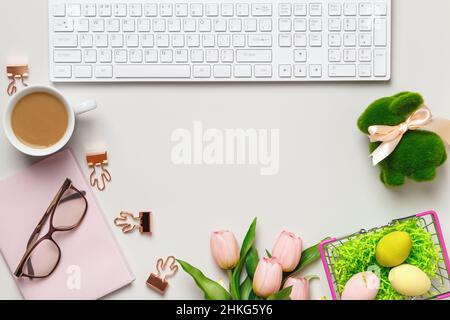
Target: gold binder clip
x=98 y=160
x=15 y=72
x=143 y=222
x=165 y=268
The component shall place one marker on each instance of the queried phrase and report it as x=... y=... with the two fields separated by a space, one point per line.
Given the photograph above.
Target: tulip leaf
x=309 y=256
x=252 y=262
x=247 y=244
x=211 y=289
x=246 y=288
x=268 y=254
x=281 y=295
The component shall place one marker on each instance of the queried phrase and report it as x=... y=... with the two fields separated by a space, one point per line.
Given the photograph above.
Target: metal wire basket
x=429 y=221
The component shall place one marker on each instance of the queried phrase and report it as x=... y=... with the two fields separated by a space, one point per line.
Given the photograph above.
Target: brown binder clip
x=15 y=72
x=143 y=222
x=164 y=269
x=98 y=160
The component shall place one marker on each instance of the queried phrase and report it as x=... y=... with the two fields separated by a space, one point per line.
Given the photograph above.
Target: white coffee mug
x=71 y=112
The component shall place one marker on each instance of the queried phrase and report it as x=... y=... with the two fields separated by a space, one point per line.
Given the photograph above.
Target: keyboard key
x=151 y=55
x=300 y=24
x=105 y=10
x=196 y=10
x=365 y=70
x=242 y=9
x=98 y=25
x=261 y=9
x=263 y=71
x=250 y=25
x=227 y=10
x=86 y=40
x=136 y=56
x=259 y=40
x=315 y=24
x=284 y=71
x=380 y=32
x=315 y=9
x=150 y=9
x=222 y=71
x=82 y=25
x=365 y=39
x=300 y=40
x=350 y=9
x=284 y=25
x=285 y=40
x=62 y=71
x=350 y=24
x=380 y=63
x=300 y=70
x=192 y=40
x=135 y=10
x=89 y=10
x=116 y=40
x=63 y=25
x=104 y=71
x=212 y=55
x=166 y=55
x=59 y=10
x=315 y=40
x=120 y=10
x=201 y=71
x=235 y=25
x=204 y=25
x=177 y=40
x=380 y=9
x=300 y=55
x=365 y=55
x=334 y=9
x=189 y=25
x=181 y=9
x=174 y=25
x=341 y=70
x=300 y=9
x=350 y=40
x=120 y=56
x=334 y=24
x=128 y=25
x=365 y=24
x=247 y=55
x=181 y=55
x=284 y=9
x=83 y=71
x=238 y=40
x=113 y=25
x=265 y=25
x=197 y=55
x=105 y=55
x=162 y=40
x=165 y=10
x=223 y=40
x=74 y=10
x=242 y=70
x=315 y=70
x=67 y=56
x=212 y=9
x=65 y=40
x=143 y=25
x=208 y=40
x=159 y=25
x=349 y=55
x=227 y=55
x=365 y=9
x=334 y=55
x=90 y=56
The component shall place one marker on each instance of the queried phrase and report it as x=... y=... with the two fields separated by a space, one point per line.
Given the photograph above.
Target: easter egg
x=393 y=249
x=362 y=286
x=409 y=280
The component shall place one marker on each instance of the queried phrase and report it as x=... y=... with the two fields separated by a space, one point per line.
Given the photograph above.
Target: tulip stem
x=230 y=277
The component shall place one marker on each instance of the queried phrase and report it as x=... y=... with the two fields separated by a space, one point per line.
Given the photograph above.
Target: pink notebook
x=92 y=264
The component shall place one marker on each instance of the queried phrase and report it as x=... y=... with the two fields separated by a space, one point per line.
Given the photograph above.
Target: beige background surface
x=325 y=186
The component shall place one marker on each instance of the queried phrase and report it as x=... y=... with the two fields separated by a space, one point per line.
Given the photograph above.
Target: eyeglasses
x=66 y=212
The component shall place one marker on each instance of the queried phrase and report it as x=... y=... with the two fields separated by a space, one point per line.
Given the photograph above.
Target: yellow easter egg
x=393 y=249
x=409 y=280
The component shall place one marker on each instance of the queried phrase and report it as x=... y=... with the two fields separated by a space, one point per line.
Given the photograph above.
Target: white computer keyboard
x=204 y=40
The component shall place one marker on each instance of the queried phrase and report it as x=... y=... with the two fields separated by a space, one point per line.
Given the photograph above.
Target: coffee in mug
x=39 y=120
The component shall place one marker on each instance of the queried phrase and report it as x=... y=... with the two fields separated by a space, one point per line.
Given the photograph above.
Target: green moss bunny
x=419 y=152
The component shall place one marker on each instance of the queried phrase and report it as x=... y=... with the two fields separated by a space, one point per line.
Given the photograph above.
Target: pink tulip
x=288 y=250
x=300 y=288
x=267 y=278
x=225 y=249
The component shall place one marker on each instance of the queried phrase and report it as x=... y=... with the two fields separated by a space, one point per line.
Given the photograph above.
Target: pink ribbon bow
x=390 y=136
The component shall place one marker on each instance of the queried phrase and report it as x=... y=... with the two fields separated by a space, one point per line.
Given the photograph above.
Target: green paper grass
x=418 y=154
x=358 y=254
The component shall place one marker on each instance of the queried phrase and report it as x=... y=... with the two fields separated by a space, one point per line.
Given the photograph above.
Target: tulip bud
x=300 y=288
x=268 y=277
x=288 y=250
x=225 y=249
